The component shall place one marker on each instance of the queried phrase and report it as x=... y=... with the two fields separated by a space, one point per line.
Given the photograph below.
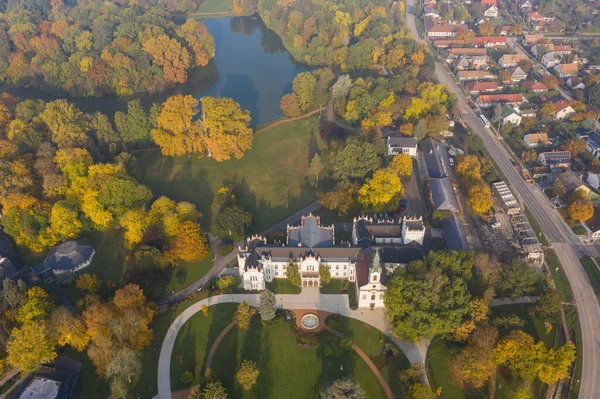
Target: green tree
x=316 y=167
x=234 y=219
x=228 y=284
x=355 y=160
x=342 y=198
x=549 y=306
x=324 y=274
x=267 y=305
x=243 y=315
x=304 y=86
x=134 y=127
x=558 y=188
x=247 y=375
x=517 y=278
x=292 y=273
x=66 y=124
x=88 y=282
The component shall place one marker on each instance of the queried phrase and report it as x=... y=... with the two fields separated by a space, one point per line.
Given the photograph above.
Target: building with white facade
x=401 y=145
x=370 y=281
x=372 y=231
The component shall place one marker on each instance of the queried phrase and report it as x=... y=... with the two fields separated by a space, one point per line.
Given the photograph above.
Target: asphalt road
x=566 y=244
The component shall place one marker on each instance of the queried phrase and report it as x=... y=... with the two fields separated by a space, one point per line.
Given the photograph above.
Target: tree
x=497 y=117
x=37 y=307
x=68 y=329
x=425 y=303
x=518 y=279
x=479 y=198
x=64 y=220
x=341 y=198
x=205 y=310
x=402 y=164
x=324 y=274
x=134 y=127
x=169 y=54
x=88 y=282
x=341 y=87
x=558 y=188
x=243 y=315
x=316 y=167
x=188 y=243
x=592 y=95
x=290 y=105
x=473 y=366
x=212 y=390
x=505 y=76
x=224 y=127
x=419 y=132
x=30 y=346
x=247 y=375
x=516 y=30
x=421 y=391
x=355 y=160
x=228 y=284
x=344 y=388
x=580 y=207
x=292 y=273
x=176 y=134
x=487 y=28
x=234 y=219
x=66 y=124
x=549 y=305
x=547 y=108
x=304 y=86
x=550 y=81
x=125 y=364
x=554 y=363
x=382 y=191
x=267 y=305
x=517 y=350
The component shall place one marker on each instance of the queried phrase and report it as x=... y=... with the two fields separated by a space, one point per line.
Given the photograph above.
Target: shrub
x=228 y=284
x=352 y=296
x=187 y=377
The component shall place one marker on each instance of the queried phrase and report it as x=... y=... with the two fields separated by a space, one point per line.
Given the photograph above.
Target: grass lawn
x=575 y=330
x=536 y=228
x=558 y=275
x=188 y=272
x=225 y=249
x=286 y=370
x=534 y=325
x=592 y=272
x=283 y=286
x=336 y=286
x=214 y=6
x=270 y=180
x=437 y=364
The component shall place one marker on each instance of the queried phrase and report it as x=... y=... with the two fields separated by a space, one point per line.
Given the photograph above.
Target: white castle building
x=310 y=245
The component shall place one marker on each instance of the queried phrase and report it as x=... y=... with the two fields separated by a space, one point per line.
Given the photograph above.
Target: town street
x=566 y=245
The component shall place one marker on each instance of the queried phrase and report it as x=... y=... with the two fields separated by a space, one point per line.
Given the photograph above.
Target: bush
x=352 y=296
x=228 y=284
x=187 y=377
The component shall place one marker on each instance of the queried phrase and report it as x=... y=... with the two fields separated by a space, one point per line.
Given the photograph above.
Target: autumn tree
x=558 y=188
x=243 y=315
x=579 y=207
x=547 y=108
x=212 y=390
x=382 y=191
x=343 y=388
x=549 y=306
x=267 y=305
x=402 y=164
x=200 y=42
x=176 y=134
x=487 y=28
x=292 y=273
x=247 y=375
x=550 y=81
x=290 y=105
x=342 y=198
x=169 y=54
x=30 y=346
x=89 y=283
x=316 y=166
x=66 y=124
x=65 y=222
x=37 y=307
x=68 y=329
x=479 y=198
x=304 y=86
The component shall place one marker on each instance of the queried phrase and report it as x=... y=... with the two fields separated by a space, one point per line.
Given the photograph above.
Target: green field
x=270 y=180
x=593 y=273
x=283 y=286
x=335 y=286
x=558 y=275
x=213 y=6
x=287 y=370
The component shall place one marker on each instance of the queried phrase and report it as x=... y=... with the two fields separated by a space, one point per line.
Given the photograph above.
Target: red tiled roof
x=568 y=68
x=532 y=39
x=449 y=42
x=510 y=59
x=560 y=105
x=535 y=86
x=478 y=87
x=495 y=98
x=474 y=74
x=468 y=51
x=486 y=2
x=535 y=16
x=489 y=39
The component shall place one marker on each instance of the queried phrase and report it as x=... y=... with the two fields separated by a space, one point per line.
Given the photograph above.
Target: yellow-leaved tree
x=382 y=191
x=402 y=164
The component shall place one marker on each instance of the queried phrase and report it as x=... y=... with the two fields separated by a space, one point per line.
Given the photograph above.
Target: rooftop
x=494 y=98
x=402 y=141
x=68 y=255
x=442 y=195
x=454 y=234
x=482 y=86
x=435 y=155
x=310 y=233
x=41 y=388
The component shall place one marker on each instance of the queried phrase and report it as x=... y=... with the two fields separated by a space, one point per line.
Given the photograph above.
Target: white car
x=496 y=225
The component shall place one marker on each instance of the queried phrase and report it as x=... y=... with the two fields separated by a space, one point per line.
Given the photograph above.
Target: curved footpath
x=307 y=299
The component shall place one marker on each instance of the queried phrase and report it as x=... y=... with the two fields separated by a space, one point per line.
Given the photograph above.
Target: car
x=496 y=225
x=451 y=161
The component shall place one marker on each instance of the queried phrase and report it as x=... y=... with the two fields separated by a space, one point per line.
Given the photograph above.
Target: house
x=465 y=51
x=535 y=16
x=10 y=262
x=593 y=144
x=55 y=382
x=445 y=43
x=489 y=41
x=429 y=23
x=509 y=115
x=592 y=227
x=475 y=88
x=474 y=75
x=565 y=70
x=491 y=12
x=70 y=256
x=432 y=13
x=541 y=49
x=454 y=233
x=374 y=230
x=528 y=40
x=371 y=279
x=489 y=100
x=574 y=183
x=307 y=247
x=555 y=158
x=593 y=180
x=485 y=3
x=443 y=197
x=576 y=83
x=528 y=110
x=535 y=87
x=436 y=158
x=551 y=59
x=534 y=140
x=402 y=145
x=563 y=110
x=517 y=75
x=510 y=60
x=505 y=30
x=480 y=62
x=444 y=30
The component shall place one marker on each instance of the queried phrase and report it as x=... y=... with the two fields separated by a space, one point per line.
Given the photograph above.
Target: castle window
x=337 y=267
x=276 y=274
x=345 y=267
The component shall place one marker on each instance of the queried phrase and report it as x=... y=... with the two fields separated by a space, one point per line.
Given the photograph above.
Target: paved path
x=369 y=362
x=16 y=384
x=567 y=245
x=289 y=120
x=309 y=298
x=216 y=344
x=514 y=301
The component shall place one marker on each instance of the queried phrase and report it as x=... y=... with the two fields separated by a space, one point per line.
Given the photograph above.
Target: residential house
x=456 y=52
x=551 y=59
x=576 y=83
x=68 y=257
x=402 y=145
x=509 y=115
x=510 y=60
x=535 y=16
x=485 y=3
x=574 y=183
x=529 y=40
x=454 y=233
x=593 y=180
x=592 y=227
x=541 y=49
x=562 y=110
x=432 y=13
x=593 y=144
x=566 y=70
x=535 y=87
x=534 y=140
x=489 y=100
x=474 y=75
x=528 y=110
x=491 y=12
x=444 y=30
x=445 y=43
x=517 y=75
x=489 y=41
x=480 y=62
x=555 y=158
x=505 y=30
x=476 y=88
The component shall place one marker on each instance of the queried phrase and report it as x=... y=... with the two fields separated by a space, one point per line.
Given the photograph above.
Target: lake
x=251 y=65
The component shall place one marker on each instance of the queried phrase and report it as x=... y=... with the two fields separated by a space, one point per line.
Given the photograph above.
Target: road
x=566 y=244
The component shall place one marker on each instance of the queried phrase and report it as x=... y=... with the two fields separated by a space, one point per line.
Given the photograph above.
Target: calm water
x=251 y=66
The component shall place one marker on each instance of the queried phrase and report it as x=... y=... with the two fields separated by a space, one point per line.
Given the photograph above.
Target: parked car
x=451 y=159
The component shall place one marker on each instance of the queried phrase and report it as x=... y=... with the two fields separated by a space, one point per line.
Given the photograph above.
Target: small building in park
x=371 y=279
x=70 y=256
x=402 y=145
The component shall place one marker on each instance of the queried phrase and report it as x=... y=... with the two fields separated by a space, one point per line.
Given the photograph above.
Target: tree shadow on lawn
x=334 y=368
x=195 y=184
